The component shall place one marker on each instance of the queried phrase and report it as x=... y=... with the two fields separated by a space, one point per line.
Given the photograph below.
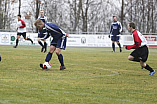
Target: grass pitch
x=93 y=76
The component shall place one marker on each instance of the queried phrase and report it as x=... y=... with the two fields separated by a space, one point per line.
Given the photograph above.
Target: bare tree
x=19 y=7
x=1 y=14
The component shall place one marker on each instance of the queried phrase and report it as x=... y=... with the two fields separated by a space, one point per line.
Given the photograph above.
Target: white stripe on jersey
x=143 y=39
x=48 y=27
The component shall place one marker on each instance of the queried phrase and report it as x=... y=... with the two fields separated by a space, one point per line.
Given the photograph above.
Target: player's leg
x=143 y=58
x=118 y=43
x=113 y=43
x=134 y=56
x=0 y=57
x=40 y=43
x=17 y=39
x=45 y=46
x=49 y=55
x=61 y=44
x=147 y=67
x=60 y=58
x=113 y=46
x=26 y=38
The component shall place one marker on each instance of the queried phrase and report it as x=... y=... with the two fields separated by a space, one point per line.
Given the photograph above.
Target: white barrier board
x=76 y=40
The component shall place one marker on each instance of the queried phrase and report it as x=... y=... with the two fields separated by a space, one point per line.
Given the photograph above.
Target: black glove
x=125 y=47
x=109 y=36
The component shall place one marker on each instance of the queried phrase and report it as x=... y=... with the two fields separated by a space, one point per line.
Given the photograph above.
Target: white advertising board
x=76 y=40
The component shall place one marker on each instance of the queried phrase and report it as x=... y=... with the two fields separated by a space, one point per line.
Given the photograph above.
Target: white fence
x=76 y=40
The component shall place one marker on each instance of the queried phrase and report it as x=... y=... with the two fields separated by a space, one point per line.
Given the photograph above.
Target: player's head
x=115 y=18
x=42 y=13
x=131 y=26
x=19 y=17
x=39 y=24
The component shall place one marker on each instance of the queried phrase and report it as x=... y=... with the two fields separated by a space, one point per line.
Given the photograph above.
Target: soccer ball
x=46 y=65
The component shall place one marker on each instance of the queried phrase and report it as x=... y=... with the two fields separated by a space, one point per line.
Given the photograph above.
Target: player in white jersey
x=140 y=54
x=21 y=30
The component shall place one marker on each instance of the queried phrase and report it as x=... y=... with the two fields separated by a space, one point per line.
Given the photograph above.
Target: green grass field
x=93 y=76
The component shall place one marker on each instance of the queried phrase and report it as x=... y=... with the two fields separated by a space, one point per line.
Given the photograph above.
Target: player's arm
x=137 y=42
x=120 y=27
x=46 y=36
x=110 y=31
x=46 y=20
x=23 y=24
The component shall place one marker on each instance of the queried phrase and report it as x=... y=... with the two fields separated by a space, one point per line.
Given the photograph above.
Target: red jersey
x=22 y=26
x=139 y=40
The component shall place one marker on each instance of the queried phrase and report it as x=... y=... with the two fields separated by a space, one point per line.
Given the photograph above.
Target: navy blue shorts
x=115 y=38
x=56 y=37
x=62 y=43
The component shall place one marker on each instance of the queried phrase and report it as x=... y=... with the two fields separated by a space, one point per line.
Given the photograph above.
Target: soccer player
x=115 y=30
x=21 y=30
x=0 y=57
x=58 y=35
x=42 y=33
x=140 y=54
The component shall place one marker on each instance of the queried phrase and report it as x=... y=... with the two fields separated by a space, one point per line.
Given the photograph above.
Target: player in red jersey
x=21 y=30
x=140 y=54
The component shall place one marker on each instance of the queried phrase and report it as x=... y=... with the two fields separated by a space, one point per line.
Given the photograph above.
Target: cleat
x=14 y=46
x=152 y=73
x=41 y=65
x=120 y=50
x=113 y=51
x=62 y=67
x=45 y=50
x=141 y=67
x=42 y=49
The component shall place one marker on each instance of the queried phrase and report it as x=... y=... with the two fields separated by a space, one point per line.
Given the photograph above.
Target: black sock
x=30 y=40
x=17 y=41
x=45 y=46
x=40 y=43
x=119 y=45
x=113 y=46
x=149 y=68
x=60 y=58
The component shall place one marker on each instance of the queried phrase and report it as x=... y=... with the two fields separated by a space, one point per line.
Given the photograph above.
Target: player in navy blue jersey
x=115 y=31
x=42 y=33
x=58 y=42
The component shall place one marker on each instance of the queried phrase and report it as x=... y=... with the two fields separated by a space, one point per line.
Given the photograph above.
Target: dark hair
x=132 y=24
x=19 y=15
x=114 y=16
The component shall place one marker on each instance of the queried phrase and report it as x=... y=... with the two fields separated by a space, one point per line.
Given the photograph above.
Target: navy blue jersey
x=54 y=31
x=44 y=19
x=116 y=28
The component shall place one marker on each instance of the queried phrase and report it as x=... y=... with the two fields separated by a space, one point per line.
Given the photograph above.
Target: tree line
x=85 y=15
